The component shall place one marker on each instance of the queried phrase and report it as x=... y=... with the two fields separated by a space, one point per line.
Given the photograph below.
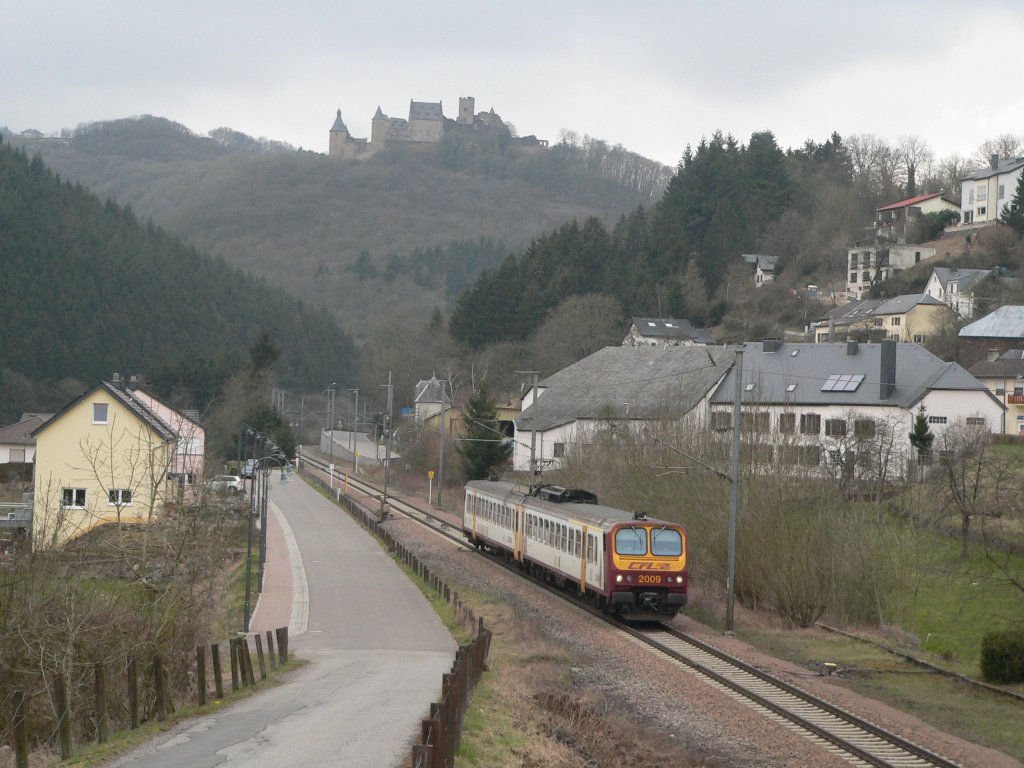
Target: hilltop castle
x=426 y=125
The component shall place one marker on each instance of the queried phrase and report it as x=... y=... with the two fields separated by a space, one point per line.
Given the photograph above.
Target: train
x=624 y=563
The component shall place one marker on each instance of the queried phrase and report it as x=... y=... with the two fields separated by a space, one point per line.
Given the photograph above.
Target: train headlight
x=679 y=579
x=618 y=578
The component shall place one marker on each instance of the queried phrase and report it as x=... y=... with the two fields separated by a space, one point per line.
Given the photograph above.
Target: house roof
x=762 y=260
x=627 y=382
x=900 y=304
x=146 y=416
x=965 y=279
x=909 y=202
x=1007 y=322
x=1003 y=166
x=796 y=373
x=425 y=110
x=1010 y=364
x=671 y=328
x=429 y=391
x=339 y=124
x=857 y=311
x=21 y=431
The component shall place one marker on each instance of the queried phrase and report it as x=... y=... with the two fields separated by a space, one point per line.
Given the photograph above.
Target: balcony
x=1015 y=399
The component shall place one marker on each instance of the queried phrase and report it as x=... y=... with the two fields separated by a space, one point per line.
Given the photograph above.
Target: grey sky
x=652 y=76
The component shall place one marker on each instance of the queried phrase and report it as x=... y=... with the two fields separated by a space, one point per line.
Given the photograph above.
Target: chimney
x=887 y=369
x=993 y=355
x=851 y=347
x=994 y=160
x=771 y=345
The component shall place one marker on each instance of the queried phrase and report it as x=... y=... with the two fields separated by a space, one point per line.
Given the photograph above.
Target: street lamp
x=353 y=439
x=330 y=414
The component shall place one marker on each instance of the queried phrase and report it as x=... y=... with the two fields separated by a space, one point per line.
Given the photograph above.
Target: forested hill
x=304 y=220
x=89 y=290
x=680 y=258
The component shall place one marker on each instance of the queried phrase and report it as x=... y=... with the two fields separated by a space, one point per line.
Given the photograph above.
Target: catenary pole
x=734 y=489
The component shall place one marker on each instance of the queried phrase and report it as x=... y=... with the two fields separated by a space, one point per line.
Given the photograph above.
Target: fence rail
x=55 y=688
x=441 y=731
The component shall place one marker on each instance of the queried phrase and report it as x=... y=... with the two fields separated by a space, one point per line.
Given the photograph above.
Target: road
x=376 y=651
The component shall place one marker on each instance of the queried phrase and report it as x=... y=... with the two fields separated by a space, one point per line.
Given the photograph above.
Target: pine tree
x=482 y=448
x=921 y=436
x=1013 y=211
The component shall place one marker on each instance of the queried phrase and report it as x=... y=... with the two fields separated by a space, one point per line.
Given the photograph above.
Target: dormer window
x=100 y=412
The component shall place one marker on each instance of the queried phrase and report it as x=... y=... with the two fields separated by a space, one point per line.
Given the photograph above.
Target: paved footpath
x=376 y=651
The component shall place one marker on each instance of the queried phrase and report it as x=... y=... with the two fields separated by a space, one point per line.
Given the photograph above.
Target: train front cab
x=647 y=577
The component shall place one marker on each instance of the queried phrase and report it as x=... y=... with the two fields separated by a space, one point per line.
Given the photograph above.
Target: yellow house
x=913 y=318
x=105 y=458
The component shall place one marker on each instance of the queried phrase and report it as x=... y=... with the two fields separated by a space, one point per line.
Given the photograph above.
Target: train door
x=593 y=560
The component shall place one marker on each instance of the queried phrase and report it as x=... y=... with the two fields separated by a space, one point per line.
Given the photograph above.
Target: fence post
x=20 y=730
x=243 y=643
x=437 y=743
x=158 y=688
x=100 y=690
x=132 y=681
x=60 y=694
x=259 y=655
x=282 y=644
x=201 y=674
x=218 y=677
x=234 y=664
x=270 y=649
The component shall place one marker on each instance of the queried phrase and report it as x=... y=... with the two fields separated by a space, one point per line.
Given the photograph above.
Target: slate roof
x=1007 y=322
x=654 y=381
x=1003 y=166
x=859 y=311
x=425 y=110
x=28 y=423
x=671 y=328
x=1010 y=364
x=900 y=304
x=339 y=124
x=150 y=419
x=965 y=279
x=429 y=391
x=809 y=366
x=378 y=115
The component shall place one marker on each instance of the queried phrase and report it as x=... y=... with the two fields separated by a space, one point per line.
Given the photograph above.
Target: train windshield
x=666 y=542
x=631 y=541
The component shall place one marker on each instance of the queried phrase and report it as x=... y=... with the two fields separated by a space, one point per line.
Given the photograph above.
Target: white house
x=620 y=385
x=665 y=331
x=874 y=260
x=985 y=192
x=764 y=267
x=848 y=408
x=428 y=398
x=17 y=446
x=955 y=287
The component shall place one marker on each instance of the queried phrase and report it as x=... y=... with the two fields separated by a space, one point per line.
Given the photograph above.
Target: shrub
x=1002 y=656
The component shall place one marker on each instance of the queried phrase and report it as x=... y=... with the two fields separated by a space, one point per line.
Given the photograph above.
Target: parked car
x=249 y=469
x=228 y=484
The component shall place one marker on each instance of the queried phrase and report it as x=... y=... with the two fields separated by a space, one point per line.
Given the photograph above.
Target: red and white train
x=626 y=564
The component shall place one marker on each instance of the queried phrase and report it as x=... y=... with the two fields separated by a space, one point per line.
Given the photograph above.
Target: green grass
x=972 y=714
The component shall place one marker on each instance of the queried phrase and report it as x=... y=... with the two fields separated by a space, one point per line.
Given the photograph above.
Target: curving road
x=376 y=651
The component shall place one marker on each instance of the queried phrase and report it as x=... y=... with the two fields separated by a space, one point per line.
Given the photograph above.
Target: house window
x=917 y=256
x=853 y=261
x=976 y=421
x=17 y=455
x=810 y=424
x=981 y=193
x=897 y=320
x=853 y=277
x=864 y=427
x=1002 y=191
x=73 y=498
x=787 y=423
x=937 y=419
x=721 y=420
x=559 y=450
x=119 y=496
x=970 y=197
x=100 y=412
x=893 y=337
x=866 y=277
x=835 y=427
x=919 y=338
x=981 y=211
x=754 y=422
x=879 y=321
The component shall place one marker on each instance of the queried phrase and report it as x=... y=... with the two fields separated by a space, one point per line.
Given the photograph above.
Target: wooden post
x=218 y=676
x=282 y=644
x=158 y=689
x=133 y=693
x=168 y=697
x=101 y=702
x=270 y=649
x=259 y=655
x=20 y=731
x=201 y=674
x=234 y=664
x=243 y=643
x=60 y=694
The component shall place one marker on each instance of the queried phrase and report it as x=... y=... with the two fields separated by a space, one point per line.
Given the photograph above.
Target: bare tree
x=916 y=157
x=1006 y=145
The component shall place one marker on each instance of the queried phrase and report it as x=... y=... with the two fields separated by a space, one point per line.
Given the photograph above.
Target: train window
x=666 y=542
x=578 y=543
x=565 y=539
x=631 y=541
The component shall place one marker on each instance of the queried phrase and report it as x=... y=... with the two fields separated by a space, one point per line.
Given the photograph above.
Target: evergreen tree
x=482 y=448
x=921 y=437
x=1013 y=211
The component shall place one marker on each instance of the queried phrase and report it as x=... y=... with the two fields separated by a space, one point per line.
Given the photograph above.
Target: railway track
x=858 y=741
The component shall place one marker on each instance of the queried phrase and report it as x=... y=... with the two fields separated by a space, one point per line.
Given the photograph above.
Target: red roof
x=911 y=201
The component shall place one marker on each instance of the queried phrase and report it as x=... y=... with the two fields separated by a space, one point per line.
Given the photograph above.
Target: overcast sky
x=653 y=76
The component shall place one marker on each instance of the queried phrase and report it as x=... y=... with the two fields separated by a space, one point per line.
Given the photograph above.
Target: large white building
x=985 y=192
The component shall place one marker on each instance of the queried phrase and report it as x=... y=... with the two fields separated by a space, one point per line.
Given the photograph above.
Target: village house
x=665 y=331
x=990 y=336
x=17 y=446
x=956 y=287
x=1004 y=376
x=875 y=259
x=763 y=266
x=985 y=192
x=910 y=318
x=897 y=222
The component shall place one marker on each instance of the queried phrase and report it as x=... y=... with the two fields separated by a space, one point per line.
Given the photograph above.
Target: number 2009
x=645 y=579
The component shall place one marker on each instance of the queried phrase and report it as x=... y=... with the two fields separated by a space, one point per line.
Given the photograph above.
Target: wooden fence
x=146 y=690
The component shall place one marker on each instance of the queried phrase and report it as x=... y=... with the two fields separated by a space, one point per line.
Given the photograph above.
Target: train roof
x=598 y=515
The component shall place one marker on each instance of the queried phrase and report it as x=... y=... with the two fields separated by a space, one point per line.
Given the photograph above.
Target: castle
x=426 y=125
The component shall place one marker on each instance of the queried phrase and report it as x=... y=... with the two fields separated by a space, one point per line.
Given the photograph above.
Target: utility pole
x=302 y=413
x=387 y=451
x=440 y=463
x=734 y=489
x=330 y=414
x=355 y=436
x=533 y=427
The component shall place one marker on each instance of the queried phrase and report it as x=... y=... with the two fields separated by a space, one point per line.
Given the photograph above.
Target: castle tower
x=379 y=129
x=339 y=137
x=467 y=109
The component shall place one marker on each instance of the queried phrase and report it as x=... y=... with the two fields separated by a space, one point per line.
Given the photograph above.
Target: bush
x=1002 y=656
